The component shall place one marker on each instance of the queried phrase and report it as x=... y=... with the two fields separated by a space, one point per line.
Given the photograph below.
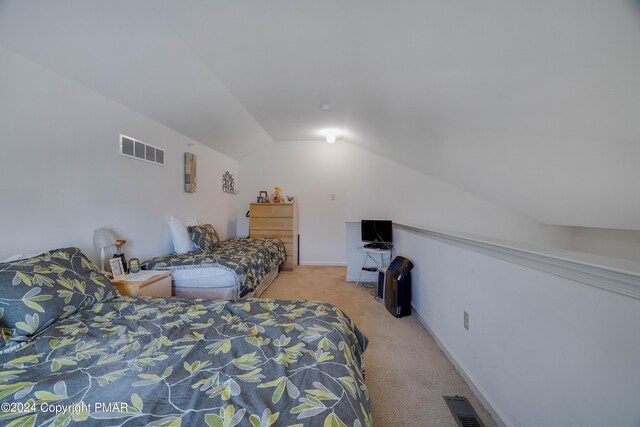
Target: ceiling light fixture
x=331 y=138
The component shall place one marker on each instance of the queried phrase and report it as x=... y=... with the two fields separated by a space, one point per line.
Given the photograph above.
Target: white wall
x=542 y=349
x=367 y=185
x=607 y=242
x=61 y=175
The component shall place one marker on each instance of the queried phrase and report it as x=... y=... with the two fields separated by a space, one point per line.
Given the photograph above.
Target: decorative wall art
x=189 y=172
x=228 y=184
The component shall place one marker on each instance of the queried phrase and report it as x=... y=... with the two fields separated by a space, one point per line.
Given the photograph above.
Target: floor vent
x=463 y=411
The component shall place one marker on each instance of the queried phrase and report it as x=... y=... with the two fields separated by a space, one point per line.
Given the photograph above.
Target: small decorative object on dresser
x=276 y=197
x=134 y=265
x=264 y=196
x=116 y=268
x=153 y=284
x=119 y=253
x=278 y=221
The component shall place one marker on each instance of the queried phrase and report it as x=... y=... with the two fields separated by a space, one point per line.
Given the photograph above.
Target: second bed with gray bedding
x=235 y=268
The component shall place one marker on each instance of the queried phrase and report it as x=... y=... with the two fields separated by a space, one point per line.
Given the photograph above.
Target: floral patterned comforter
x=178 y=362
x=249 y=259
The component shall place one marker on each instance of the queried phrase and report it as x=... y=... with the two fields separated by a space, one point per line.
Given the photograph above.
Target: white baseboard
x=362 y=279
x=497 y=415
x=325 y=263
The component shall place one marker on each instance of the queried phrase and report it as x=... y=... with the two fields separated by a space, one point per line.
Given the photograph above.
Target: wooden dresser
x=278 y=221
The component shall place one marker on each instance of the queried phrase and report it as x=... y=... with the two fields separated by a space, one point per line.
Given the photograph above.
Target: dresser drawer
x=271 y=211
x=271 y=224
x=288 y=249
x=282 y=235
x=159 y=286
x=289 y=264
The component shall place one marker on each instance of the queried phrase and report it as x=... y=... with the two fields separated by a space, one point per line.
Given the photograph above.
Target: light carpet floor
x=406 y=372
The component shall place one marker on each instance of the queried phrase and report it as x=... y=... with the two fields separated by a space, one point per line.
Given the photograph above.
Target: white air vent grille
x=131 y=147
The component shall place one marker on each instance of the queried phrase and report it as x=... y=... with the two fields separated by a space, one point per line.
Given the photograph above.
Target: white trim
x=363 y=279
x=610 y=278
x=325 y=263
x=491 y=406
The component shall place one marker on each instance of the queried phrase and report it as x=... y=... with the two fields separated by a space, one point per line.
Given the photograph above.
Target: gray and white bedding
x=208 y=282
x=76 y=353
x=249 y=260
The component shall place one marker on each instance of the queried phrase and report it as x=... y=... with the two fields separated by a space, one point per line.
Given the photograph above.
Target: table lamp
x=103 y=238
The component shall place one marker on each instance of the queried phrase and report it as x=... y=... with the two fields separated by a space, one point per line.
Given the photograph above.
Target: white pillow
x=180 y=235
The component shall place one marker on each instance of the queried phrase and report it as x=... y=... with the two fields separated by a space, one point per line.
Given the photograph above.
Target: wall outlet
x=466 y=320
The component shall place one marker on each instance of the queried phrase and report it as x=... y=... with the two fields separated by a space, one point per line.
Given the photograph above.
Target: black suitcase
x=397 y=287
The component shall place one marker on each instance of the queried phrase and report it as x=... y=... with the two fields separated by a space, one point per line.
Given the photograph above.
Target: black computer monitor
x=377 y=231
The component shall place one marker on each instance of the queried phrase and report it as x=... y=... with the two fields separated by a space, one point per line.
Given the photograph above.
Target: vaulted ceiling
x=533 y=105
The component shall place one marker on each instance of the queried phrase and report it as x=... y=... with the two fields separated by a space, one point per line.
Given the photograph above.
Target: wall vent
x=131 y=147
x=463 y=411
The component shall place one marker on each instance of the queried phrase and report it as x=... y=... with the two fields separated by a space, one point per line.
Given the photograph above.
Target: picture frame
x=117 y=269
x=134 y=265
x=190 y=172
x=264 y=196
x=260 y=199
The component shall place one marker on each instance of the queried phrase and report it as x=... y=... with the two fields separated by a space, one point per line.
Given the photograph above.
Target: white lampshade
x=103 y=238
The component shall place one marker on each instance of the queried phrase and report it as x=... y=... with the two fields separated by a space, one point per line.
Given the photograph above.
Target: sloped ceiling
x=533 y=105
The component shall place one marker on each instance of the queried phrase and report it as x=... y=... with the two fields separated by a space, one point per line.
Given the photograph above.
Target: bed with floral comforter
x=177 y=362
x=249 y=259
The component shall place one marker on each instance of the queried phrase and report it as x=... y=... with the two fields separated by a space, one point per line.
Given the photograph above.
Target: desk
x=370 y=254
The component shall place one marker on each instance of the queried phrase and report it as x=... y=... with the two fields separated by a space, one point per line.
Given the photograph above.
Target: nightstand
x=156 y=286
